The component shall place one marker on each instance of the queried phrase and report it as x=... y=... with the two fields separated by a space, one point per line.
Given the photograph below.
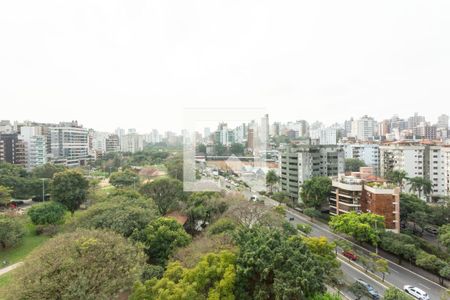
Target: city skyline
x=296 y=59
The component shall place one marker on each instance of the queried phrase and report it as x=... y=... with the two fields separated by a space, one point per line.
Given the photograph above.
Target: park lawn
x=29 y=242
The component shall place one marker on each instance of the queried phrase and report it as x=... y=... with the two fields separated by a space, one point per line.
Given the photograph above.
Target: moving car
x=416 y=292
x=374 y=294
x=254 y=198
x=350 y=255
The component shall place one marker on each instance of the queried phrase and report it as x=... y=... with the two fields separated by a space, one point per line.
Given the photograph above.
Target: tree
x=11 y=231
x=311 y=213
x=305 y=228
x=119 y=214
x=47 y=213
x=166 y=192
x=237 y=149
x=411 y=204
x=353 y=164
x=444 y=235
x=365 y=227
x=175 y=167
x=272 y=179
x=161 y=238
x=47 y=171
x=5 y=195
x=324 y=252
x=202 y=208
x=382 y=266
x=398 y=177
x=78 y=265
x=223 y=225
x=358 y=290
x=393 y=293
x=420 y=185
x=70 y=189
x=271 y=265
x=431 y=262
x=201 y=149
x=212 y=278
x=124 y=179
x=315 y=191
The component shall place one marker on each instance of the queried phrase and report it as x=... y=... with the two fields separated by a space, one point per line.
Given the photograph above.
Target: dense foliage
x=271 y=265
x=212 y=278
x=70 y=189
x=315 y=191
x=166 y=192
x=47 y=213
x=78 y=265
x=11 y=231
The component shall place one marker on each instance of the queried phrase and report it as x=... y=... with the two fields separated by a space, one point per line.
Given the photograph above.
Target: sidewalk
x=10 y=268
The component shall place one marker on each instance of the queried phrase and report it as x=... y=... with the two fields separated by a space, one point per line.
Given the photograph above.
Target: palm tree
x=272 y=179
x=420 y=185
x=397 y=177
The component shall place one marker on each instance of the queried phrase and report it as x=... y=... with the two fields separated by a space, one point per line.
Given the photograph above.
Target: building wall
x=384 y=203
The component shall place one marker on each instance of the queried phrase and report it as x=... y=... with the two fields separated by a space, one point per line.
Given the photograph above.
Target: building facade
x=306 y=161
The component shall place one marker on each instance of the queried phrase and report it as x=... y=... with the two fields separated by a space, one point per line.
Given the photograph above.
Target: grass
x=29 y=242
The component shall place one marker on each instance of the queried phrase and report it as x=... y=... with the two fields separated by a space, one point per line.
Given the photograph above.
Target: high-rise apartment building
x=132 y=143
x=419 y=160
x=14 y=149
x=364 y=129
x=112 y=143
x=69 y=144
x=368 y=153
x=303 y=162
x=443 y=121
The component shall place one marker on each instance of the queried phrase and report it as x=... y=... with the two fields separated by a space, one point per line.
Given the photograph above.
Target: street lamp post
x=43 y=189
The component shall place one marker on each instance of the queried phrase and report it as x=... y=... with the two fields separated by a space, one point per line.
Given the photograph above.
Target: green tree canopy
x=161 y=238
x=202 y=208
x=166 y=192
x=365 y=227
x=393 y=293
x=315 y=191
x=444 y=235
x=78 y=265
x=272 y=179
x=70 y=189
x=5 y=195
x=398 y=177
x=124 y=179
x=174 y=167
x=212 y=278
x=11 y=231
x=122 y=215
x=420 y=185
x=47 y=171
x=353 y=164
x=271 y=265
x=47 y=213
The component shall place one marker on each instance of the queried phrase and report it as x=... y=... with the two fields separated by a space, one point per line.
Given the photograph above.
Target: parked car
x=416 y=292
x=254 y=198
x=350 y=255
x=291 y=219
x=372 y=292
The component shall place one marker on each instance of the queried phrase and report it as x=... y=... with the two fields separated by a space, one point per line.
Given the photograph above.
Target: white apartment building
x=35 y=146
x=69 y=145
x=131 y=143
x=306 y=161
x=417 y=160
x=364 y=129
x=325 y=136
x=99 y=141
x=368 y=153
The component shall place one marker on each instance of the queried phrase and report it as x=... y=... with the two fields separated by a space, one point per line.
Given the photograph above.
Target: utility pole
x=43 y=189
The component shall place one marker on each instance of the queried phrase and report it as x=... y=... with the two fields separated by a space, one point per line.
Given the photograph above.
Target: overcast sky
x=110 y=63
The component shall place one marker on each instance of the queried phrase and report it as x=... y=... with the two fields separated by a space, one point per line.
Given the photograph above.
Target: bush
x=79 y=265
x=124 y=216
x=47 y=213
x=151 y=271
x=223 y=225
x=11 y=231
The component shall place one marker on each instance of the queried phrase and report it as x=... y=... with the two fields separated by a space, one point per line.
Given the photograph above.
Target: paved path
x=10 y=268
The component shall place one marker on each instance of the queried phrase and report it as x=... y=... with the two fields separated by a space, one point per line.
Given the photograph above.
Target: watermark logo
x=224 y=148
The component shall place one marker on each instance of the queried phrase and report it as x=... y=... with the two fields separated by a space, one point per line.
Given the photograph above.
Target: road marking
x=364 y=249
x=360 y=271
x=394 y=271
x=425 y=286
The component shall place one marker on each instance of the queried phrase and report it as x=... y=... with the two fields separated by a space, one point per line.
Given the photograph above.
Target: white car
x=416 y=292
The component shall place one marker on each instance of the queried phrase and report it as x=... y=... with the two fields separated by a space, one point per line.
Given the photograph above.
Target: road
x=399 y=276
